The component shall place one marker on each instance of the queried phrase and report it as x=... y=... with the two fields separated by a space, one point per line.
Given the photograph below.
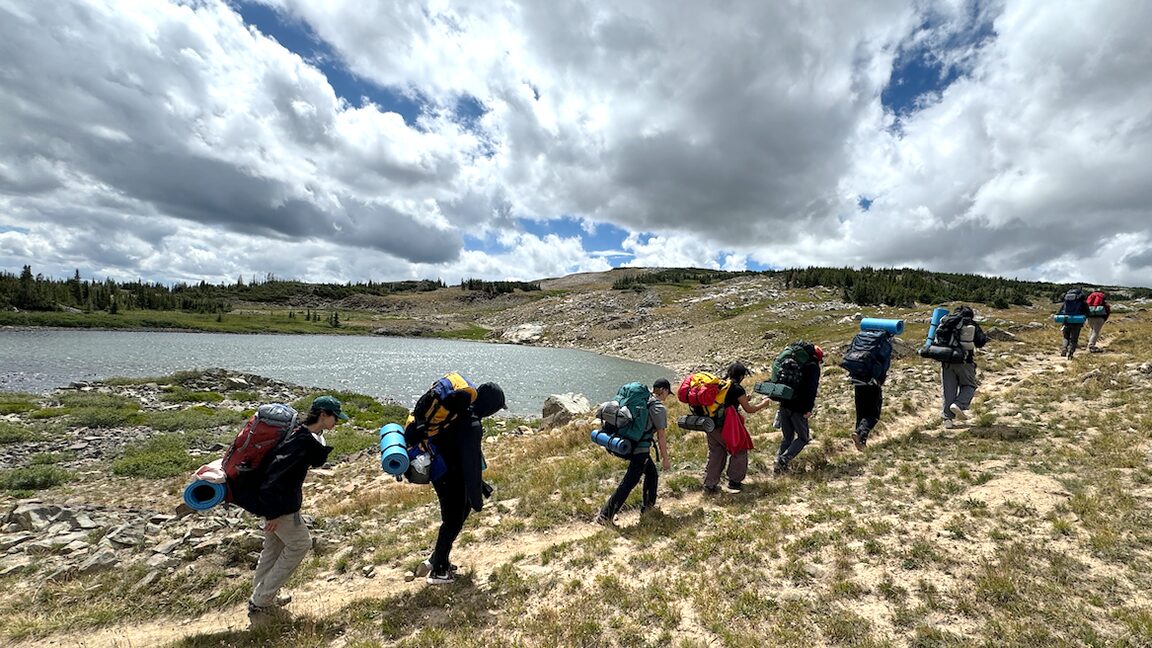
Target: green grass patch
x=471 y=332
x=17 y=403
x=194 y=419
x=17 y=433
x=33 y=478
x=157 y=458
x=173 y=394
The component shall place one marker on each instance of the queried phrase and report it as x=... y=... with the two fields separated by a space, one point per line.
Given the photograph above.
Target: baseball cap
x=329 y=404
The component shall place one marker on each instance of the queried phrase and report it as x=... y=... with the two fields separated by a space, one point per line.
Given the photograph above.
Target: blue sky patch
x=297 y=37
x=865 y=203
x=926 y=67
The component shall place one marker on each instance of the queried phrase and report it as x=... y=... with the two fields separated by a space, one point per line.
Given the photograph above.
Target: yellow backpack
x=442 y=405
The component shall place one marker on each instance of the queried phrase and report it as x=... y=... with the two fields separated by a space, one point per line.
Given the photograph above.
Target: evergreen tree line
x=702 y=276
x=906 y=287
x=497 y=287
x=40 y=293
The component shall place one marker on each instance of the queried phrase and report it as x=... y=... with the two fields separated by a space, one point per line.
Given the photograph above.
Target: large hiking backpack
x=788 y=367
x=625 y=417
x=703 y=392
x=270 y=425
x=1074 y=303
x=445 y=402
x=868 y=356
x=948 y=331
x=1097 y=304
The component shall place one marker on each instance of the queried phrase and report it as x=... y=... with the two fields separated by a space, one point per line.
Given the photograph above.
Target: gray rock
x=102 y=560
x=1000 y=334
x=168 y=547
x=146 y=582
x=563 y=408
x=33 y=516
x=8 y=541
x=14 y=565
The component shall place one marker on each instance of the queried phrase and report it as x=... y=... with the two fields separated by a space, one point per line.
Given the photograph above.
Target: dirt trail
x=320 y=598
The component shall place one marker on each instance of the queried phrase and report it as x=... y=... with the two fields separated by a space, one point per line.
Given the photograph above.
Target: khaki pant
x=284 y=549
x=718 y=456
x=1094 y=326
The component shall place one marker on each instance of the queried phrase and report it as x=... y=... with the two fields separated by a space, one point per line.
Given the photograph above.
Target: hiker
x=795 y=412
x=1098 y=312
x=867 y=361
x=640 y=463
x=460 y=489
x=718 y=455
x=1074 y=306
x=958 y=377
x=278 y=499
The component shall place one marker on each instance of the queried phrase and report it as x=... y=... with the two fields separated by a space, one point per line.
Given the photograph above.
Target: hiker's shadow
x=396 y=617
x=660 y=524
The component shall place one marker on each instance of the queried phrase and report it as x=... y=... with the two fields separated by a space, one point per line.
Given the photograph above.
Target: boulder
x=102 y=560
x=563 y=408
x=901 y=348
x=523 y=333
x=997 y=333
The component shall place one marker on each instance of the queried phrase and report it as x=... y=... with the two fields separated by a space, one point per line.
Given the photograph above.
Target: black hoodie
x=279 y=489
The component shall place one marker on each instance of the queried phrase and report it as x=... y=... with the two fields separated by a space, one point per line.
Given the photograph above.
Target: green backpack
x=633 y=396
x=787 y=368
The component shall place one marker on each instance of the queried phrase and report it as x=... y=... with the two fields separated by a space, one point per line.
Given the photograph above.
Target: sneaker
x=949 y=424
x=283 y=600
x=264 y=610
x=858 y=441
x=712 y=490
x=441 y=577
x=735 y=485
x=959 y=413
x=603 y=520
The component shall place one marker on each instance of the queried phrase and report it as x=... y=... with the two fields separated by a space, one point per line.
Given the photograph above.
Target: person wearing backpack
x=867 y=361
x=278 y=497
x=718 y=455
x=640 y=464
x=460 y=488
x=1098 y=312
x=958 y=377
x=795 y=412
x=1074 y=305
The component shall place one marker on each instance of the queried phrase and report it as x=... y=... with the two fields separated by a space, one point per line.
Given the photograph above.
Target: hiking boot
x=441 y=577
x=603 y=520
x=858 y=441
x=735 y=485
x=712 y=490
x=949 y=424
x=265 y=610
x=959 y=413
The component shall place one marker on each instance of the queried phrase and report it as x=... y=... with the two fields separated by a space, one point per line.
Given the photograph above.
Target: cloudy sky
x=350 y=140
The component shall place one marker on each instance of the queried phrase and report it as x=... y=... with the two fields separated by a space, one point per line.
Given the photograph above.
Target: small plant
x=17 y=433
x=33 y=478
x=156 y=458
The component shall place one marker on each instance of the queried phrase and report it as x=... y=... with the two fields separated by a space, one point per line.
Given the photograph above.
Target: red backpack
x=264 y=431
x=1095 y=299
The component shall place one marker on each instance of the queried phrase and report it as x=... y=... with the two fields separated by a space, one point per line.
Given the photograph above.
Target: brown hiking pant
x=718 y=456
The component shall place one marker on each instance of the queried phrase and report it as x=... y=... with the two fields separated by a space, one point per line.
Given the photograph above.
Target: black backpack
x=869 y=356
x=948 y=331
x=1074 y=303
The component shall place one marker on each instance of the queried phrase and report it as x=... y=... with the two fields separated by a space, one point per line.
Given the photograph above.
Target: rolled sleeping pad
x=943 y=353
x=893 y=326
x=937 y=315
x=393 y=450
x=202 y=495
x=1070 y=319
x=774 y=391
x=698 y=423
x=615 y=445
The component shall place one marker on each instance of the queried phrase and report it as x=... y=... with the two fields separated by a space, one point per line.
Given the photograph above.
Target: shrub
x=16 y=433
x=182 y=395
x=33 y=478
x=192 y=419
x=157 y=458
x=17 y=403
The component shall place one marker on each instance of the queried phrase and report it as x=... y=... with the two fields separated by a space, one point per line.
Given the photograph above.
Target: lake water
x=399 y=369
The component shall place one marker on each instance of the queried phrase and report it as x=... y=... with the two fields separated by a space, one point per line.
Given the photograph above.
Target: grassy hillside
x=1027 y=527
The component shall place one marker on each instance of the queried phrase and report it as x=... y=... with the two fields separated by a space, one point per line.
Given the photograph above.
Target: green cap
x=329 y=404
